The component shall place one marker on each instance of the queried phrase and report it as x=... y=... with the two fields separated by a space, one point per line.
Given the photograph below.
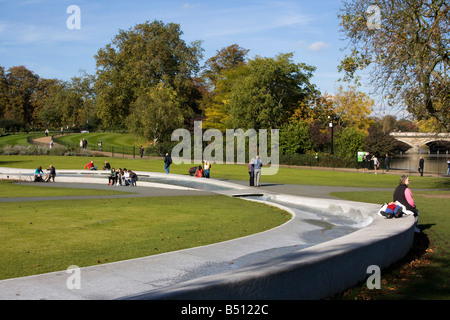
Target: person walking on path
x=421 y=165
x=257 y=164
x=167 y=162
x=375 y=163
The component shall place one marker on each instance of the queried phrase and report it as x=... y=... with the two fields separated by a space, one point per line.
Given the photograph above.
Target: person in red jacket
x=90 y=165
x=200 y=173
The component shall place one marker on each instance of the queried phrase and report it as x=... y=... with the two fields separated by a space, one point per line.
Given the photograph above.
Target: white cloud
x=317 y=46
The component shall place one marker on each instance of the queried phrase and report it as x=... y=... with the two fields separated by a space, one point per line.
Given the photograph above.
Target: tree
x=378 y=142
x=4 y=95
x=268 y=92
x=218 y=77
x=408 y=47
x=50 y=101
x=348 y=142
x=155 y=114
x=226 y=59
x=137 y=61
x=353 y=108
x=21 y=85
x=294 y=138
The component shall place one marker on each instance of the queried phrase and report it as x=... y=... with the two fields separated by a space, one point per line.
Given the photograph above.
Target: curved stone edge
x=313 y=273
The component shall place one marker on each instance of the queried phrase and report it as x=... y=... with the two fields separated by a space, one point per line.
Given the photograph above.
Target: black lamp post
x=331 y=125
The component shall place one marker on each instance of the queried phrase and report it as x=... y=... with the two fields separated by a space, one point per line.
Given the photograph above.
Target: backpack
x=392 y=211
x=193 y=171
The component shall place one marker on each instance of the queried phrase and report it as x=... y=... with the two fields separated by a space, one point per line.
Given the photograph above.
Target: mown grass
x=18 y=139
x=9 y=189
x=40 y=237
x=108 y=139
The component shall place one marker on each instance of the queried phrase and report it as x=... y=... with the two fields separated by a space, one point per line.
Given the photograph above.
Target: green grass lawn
x=40 y=237
x=109 y=139
x=18 y=139
x=9 y=189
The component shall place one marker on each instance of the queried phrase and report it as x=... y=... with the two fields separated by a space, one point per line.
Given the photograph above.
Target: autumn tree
x=353 y=108
x=219 y=74
x=407 y=44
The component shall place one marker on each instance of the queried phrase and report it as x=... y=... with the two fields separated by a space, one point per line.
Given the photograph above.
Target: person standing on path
x=251 y=172
x=421 y=165
x=257 y=164
x=207 y=168
x=386 y=162
x=167 y=162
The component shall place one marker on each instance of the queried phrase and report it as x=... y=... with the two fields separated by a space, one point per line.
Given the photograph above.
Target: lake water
x=436 y=164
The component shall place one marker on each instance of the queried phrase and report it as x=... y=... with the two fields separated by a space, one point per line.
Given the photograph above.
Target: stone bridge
x=415 y=140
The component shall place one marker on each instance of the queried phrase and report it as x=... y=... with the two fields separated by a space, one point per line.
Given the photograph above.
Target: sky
x=42 y=35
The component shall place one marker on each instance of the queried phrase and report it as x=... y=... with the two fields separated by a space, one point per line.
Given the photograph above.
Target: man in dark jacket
x=167 y=162
x=421 y=163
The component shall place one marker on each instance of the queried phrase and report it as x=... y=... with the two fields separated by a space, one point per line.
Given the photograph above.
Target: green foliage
x=267 y=95
x=379 y=143
x=348 y=142
x=156 y=114
x=137 y=61
x=294 y=138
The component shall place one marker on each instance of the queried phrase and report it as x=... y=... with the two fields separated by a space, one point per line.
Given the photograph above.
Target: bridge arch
x=415 y=140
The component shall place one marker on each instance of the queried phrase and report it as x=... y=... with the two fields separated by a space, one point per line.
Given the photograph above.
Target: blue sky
x=34 y=33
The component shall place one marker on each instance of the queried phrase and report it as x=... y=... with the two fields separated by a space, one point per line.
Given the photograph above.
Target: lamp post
x=331 y=125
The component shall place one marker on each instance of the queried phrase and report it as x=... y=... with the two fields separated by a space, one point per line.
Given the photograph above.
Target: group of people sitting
x=201 y=172
x=49 y=175
x=123 y=177
x=117 y=177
